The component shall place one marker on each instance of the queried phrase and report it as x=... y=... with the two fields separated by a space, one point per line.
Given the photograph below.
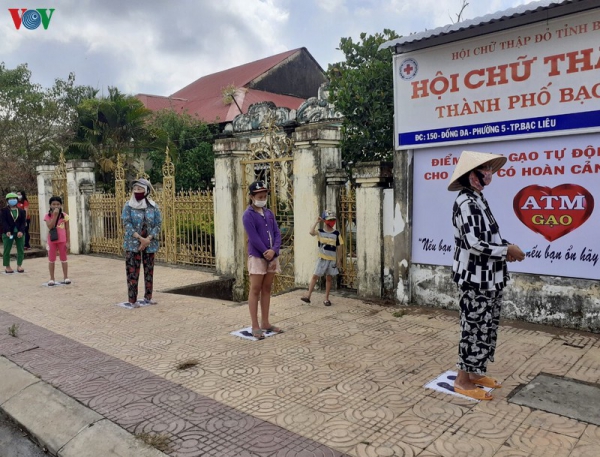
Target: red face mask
x=139 y=195
x=330 y=224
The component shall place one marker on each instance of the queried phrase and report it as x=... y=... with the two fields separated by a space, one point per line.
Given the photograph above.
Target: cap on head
x=11 y=195
x=470 y=160
x=328 y=215
x=257 y=186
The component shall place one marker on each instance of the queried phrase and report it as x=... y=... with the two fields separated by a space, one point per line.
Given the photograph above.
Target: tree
x=111 y=125
x=361 y=88
x=190 y=144
x=35 y=123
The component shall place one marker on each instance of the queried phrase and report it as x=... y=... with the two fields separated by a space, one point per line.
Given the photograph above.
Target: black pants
x=133 y=260
x=479 y=319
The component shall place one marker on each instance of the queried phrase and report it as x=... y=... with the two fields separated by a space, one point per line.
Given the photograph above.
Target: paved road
x=14 y=444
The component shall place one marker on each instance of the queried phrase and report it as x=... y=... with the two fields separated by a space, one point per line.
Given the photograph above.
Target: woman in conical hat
x=479 y=270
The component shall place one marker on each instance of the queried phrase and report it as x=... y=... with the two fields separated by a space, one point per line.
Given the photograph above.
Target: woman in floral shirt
x=142 y=221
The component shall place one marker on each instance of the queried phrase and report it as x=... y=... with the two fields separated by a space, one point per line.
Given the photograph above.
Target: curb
x=60 y=424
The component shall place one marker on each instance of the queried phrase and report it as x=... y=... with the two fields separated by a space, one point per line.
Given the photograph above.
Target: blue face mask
x=12 y=201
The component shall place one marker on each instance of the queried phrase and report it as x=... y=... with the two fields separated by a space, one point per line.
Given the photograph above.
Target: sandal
x=486 y=381
x=327 y=303
x=305 y=299
x=67 y=281
x=51 y=282
x=476 y=394
x=258 y=334
x=272 y=329
x=9 y=272
x=20 y=270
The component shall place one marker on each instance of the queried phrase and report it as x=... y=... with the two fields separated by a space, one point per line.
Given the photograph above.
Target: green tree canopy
x=109 y=125
x=190 y=144
x=35 y=123
x=361 y=88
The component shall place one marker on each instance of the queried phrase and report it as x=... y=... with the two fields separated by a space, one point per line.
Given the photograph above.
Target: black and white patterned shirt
x=480 y=252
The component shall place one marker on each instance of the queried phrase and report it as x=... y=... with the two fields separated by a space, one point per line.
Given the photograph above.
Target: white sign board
x=532 y=81
x=545 y=200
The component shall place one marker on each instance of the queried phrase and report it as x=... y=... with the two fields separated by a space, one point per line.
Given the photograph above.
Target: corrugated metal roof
x=513 y=17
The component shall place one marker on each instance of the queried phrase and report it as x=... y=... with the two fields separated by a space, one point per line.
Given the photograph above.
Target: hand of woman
x=144 y=243
x=269 y=254
x=515 y=252
x=19 y=234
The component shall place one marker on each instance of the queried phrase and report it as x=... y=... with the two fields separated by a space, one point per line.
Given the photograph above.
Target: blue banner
x=535 y=125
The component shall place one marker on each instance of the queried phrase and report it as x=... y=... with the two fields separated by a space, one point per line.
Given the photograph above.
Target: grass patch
x=160 y=442
x=186 y=364
x=399 y=313
x=13 y=330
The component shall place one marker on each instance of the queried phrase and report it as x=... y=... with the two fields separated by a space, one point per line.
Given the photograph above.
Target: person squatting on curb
x=13 y=220
x=479 y=270
x=58 y=238
x=329 y=241
x=141 y=221
x=264 y=241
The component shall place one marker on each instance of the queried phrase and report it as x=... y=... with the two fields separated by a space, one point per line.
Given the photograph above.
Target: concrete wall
x=549 y=300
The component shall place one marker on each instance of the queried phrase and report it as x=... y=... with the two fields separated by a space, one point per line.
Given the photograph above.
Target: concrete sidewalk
x=342 y=380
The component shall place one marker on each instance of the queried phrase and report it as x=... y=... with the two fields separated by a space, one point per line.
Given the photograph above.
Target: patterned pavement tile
x=542 y=443
x=164 y=423
x=380 y=445
x=485 y=426
x=342 y=435
x=396 y=399
x=438 y=411
x=591 y=434
x=412 y=430
x=301 y=420
x=555 y=423
x=266 y=406
x=583 y=449
x=133 y=414
x=461 y=444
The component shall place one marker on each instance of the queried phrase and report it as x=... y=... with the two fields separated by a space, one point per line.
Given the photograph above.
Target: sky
x=159 y=46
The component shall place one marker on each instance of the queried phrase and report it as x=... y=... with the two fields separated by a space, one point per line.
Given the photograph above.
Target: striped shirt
x=480 y=253
x=328 y=243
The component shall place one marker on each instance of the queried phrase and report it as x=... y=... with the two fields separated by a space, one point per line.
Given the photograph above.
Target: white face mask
x=260 y=203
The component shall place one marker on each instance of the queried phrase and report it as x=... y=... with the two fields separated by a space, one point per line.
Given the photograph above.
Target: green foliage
x=193 y=232
x=361 y=88
x=35 y=123
x=190 y=145
x=109 y=125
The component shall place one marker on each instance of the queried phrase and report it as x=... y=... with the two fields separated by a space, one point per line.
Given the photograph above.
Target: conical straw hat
x=469 y=160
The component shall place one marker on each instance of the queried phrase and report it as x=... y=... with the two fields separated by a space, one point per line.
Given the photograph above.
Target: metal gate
x=59 y=182
x=271 y=160
x=347 y=228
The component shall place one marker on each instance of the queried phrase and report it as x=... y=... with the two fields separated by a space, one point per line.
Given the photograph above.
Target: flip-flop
x=9 y=272
x=327 y=303
x=476 y=394
x=20 y=270
x=272 y=329
x=258 y=334
x=486 y=381
x=305 y=300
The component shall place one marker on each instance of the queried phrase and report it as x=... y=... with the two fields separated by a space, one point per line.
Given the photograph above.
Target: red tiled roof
x=158 y=102
x=203 y=98
x=211 y=85
x=214 y=110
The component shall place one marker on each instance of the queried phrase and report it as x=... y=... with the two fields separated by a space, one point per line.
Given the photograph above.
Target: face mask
x=20 y=197
x=330 y=224
x=260 y=203
x=480 y=178
x=12 y=201
x=139 y=195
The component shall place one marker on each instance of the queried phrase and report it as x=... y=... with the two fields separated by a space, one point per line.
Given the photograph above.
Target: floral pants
x=479 y=318
x=133 y=260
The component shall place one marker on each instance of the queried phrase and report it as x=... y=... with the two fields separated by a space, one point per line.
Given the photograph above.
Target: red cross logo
x=408 y=69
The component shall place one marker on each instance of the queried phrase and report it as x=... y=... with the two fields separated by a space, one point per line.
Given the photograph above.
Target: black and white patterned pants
x=479 y=318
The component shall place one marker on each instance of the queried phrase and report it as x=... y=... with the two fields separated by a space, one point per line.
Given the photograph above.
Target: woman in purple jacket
x=264 y=241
